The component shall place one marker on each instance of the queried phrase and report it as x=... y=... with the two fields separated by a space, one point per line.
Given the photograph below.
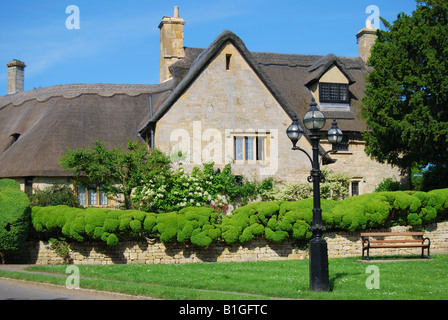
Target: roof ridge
x=75 y=90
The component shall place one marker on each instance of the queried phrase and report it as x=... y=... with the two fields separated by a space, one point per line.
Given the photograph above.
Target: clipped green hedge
x=14 y=216
x=89 y=224
x=276 y=221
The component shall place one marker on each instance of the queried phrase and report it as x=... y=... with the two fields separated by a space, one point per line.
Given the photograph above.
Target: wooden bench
x=408 y=240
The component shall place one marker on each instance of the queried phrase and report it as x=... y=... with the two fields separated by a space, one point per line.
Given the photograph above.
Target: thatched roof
x=44 y=122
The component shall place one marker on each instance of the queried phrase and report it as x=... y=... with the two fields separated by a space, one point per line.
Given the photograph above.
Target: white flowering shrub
x=290 y=192
x=178 y=189
x=335 y=187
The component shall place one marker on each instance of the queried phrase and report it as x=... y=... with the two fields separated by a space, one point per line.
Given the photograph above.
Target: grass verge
x=349 y=279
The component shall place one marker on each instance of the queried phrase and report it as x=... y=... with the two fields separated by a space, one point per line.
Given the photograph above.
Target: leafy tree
x=117 y=170
x=406 y=102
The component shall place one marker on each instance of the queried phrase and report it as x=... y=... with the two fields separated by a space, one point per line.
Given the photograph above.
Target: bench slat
x=394 y=241
x=400 y=246
x=386 y=234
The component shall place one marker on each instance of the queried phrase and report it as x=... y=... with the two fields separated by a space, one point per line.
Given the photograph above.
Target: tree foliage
x=118 y=171
x=15 y=217
x=406 y=102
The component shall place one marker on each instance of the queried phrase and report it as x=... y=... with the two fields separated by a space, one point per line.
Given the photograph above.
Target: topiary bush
x=14 y=217
x=276 y=221
x=88 y=224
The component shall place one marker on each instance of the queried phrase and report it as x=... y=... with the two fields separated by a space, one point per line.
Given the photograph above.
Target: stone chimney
x=366 y=39
x=171 y=43
x=16 y=76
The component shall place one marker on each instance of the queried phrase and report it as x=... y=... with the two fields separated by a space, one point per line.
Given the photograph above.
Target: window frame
x=229 y=59
x=99 y=195
x=259 y=150
x=356 y=187
x=323 y=99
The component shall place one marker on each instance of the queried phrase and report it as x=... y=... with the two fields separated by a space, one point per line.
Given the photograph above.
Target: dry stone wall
x=340 y=244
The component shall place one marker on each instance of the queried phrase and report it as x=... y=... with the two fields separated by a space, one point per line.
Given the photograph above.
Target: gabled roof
x=321 y=66
x=200 y=63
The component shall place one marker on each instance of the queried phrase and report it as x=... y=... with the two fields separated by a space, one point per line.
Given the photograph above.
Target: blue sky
x=118 y=41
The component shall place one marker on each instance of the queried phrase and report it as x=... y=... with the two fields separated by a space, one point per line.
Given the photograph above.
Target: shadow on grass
x=392 y=258
x=335 y=277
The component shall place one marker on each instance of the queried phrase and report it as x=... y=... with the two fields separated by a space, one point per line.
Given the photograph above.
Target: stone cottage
x=222 y=104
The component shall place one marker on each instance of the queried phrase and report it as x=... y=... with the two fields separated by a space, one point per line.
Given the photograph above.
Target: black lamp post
x=314 y=121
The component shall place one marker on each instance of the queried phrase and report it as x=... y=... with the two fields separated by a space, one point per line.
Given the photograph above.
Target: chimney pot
x=366 y=39
x=16 y=74
x=171 y=43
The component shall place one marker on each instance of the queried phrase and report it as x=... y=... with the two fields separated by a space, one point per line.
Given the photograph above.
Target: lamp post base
x=319 y=279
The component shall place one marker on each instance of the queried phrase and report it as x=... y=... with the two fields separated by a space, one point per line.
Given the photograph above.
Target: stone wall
x=340 y=244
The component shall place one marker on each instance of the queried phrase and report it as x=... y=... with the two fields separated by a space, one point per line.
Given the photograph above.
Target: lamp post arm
x=309 y=157
x=307 y=154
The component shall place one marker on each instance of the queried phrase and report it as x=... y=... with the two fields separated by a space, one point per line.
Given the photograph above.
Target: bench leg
x=365 y=240
x=423 y=253
x=367 y=257
x=423 y=248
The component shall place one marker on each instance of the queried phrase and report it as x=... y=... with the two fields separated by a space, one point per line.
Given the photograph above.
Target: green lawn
x=404 y=280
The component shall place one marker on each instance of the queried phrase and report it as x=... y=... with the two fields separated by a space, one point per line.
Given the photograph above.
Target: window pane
x=334 y=92
x=92 y=196
x=355 y=188
x=343 y=93
x=81 y=196
x=249 y=148
x=324 y=92
x=260 y=148
x=103 y=198
x=238 y=148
